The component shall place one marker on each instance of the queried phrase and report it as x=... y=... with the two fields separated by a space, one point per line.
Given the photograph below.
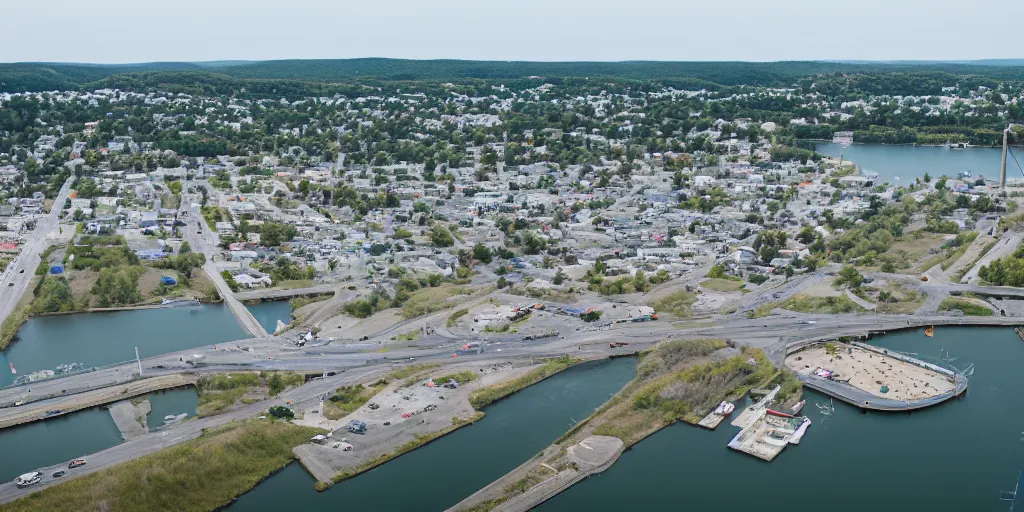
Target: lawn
x=199 y=475
x=677 y=304
x=347 y=399
x=722 y=285
x=830 y=305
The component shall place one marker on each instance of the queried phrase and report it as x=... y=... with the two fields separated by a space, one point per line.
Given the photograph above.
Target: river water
x=909 y=162
x=956 y=456
x=96 y=339
x=449 y=469
x=43 y=443
x=268 y=313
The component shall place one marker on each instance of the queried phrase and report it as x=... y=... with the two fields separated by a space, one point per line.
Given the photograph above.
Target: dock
x=711 y=421
x=765 y=433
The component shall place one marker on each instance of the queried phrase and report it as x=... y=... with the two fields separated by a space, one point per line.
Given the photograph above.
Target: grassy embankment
x=969 y=306
x=478 y=399
x=198 y=475
x=808 y=304
x=222 y=391
x=676 y=381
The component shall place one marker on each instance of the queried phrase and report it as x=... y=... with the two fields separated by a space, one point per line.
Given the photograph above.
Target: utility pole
x=137 y=360
x=1002 y=166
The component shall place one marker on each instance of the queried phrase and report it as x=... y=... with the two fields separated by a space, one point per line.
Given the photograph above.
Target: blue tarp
x=168 y=280
x=57 y=269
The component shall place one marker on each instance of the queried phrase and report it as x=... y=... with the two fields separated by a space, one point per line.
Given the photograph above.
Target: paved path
x=1004 y=247
x=24 y=266
x=870 y=306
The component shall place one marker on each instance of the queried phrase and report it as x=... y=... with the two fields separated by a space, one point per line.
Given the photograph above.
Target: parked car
x=28 y=479
x=357 y=427
x=58 y=474
x=77 y=463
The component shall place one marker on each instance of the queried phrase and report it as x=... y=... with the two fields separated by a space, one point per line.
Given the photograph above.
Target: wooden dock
x=711 y=421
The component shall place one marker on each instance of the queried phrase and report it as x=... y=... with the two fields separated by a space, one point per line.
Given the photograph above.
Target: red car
x=76 y=463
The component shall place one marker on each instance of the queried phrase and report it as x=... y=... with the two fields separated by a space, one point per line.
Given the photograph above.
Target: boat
x=725 y=409
x=965 y=175
x=169 y=417
x=929 y=332
x=15 y=372
x=798 y=406
x=1020 y=333
x=175 y=303
x=800 y=431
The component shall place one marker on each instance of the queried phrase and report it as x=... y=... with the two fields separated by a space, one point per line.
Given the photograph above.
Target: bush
x=591 y=316
x=280 y=411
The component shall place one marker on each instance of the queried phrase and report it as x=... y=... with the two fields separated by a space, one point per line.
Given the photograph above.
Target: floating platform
x=766 y=433
x=711 y=421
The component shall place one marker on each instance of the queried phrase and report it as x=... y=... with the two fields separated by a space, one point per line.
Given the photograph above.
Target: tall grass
x=493 y=393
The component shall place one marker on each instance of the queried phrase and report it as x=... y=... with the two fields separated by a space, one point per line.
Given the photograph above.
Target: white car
x=28 y=479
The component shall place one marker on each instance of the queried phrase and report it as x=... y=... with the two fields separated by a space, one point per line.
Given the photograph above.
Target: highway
x=14 y=282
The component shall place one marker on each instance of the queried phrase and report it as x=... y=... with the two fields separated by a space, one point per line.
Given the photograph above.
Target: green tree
x=849 y=276
x=482 y=254
x=185 y=248
x=441 y=236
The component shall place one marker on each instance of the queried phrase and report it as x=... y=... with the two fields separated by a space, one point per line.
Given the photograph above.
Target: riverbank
x=678 y=380
x=196 y=475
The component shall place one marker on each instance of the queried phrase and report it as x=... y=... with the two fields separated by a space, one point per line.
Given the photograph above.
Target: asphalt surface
x=24 y=266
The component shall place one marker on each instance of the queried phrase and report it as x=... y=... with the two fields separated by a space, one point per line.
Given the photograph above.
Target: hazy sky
x=121 y=31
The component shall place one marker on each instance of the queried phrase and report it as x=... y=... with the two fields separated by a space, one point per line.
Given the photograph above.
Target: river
x=96 y=339
x=956 y=456
x=449 y=469
x=268 y=313
x=909 y=162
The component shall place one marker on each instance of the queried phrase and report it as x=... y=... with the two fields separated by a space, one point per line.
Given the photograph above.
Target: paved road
x=204 y=240
x=284 y=294
x=24 y=266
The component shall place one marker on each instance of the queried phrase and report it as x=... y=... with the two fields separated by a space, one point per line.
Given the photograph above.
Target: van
x=28 y=479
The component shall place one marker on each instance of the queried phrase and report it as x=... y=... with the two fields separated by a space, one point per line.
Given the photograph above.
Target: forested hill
x=51 y=76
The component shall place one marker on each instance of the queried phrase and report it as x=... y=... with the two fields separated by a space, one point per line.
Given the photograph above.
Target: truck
x=357 y=427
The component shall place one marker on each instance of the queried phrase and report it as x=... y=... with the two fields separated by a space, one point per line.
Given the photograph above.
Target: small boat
x=725 y=409
x=15 y=372
x=929 y=332
x=174 y=303
x=169 y=417
x=798 y=406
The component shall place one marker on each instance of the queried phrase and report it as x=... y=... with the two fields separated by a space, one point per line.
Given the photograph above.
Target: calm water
x=957 y=456
x=96 y=339
x=268 y=313
x=444 y=472
x=43 y=443
x=174 y=401
x=909 y=162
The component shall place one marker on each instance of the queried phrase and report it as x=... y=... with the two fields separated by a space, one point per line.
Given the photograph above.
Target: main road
x=14 y=282
x=206 y=241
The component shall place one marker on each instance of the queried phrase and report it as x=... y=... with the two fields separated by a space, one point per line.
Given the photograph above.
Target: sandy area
x=869 y=371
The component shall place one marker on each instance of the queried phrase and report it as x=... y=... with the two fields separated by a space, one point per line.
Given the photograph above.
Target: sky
x=129 y=31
